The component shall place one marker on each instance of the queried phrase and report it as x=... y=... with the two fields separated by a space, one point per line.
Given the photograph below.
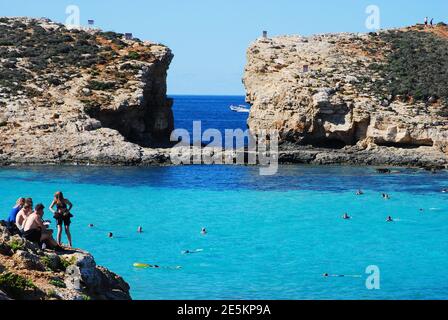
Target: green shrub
x=133 y=55
x=57 y=283
x=52 y=293
x=15 y=245
x=66 y=262
x=15 y=285
x=49 y=264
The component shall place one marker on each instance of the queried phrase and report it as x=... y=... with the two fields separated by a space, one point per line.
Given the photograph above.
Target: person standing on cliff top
x=62 y=215
x=432 y=22
x=426 y=21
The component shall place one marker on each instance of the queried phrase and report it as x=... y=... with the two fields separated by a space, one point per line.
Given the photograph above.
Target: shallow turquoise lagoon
x=269 y=237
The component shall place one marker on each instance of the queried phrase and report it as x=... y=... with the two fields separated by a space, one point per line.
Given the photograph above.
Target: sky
x=209 y=38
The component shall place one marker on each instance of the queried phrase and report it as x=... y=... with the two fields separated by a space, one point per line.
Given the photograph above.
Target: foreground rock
x=353 y=98
x=79 y=96
x=27 y=272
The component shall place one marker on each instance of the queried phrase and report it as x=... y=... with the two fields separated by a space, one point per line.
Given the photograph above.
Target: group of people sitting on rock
x=29 y=223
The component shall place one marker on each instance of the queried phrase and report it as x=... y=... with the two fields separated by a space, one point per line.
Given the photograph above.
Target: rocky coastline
x=88 y=97
x=76 y=95
x=30 y=273
x=377 y=98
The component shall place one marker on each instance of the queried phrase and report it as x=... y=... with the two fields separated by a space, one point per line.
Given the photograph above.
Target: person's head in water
x=346 y=216
x=110 y=235
x=203 y=231
x=91 y=225
x=389 y=219
x=139 y=229
x=39 y=209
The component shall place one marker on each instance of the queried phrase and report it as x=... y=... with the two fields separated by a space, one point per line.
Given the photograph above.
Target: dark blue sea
x=212 y=111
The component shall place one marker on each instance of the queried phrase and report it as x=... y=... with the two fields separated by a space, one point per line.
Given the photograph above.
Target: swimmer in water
x=444 y=190
x=110 y=235
x=359 y=192
x=386 y=196
x=91 y=225
x=326 y=275
x=192 y=251
x=389 y=219
x=139 y=229
x=346 y=216
x=203 y=231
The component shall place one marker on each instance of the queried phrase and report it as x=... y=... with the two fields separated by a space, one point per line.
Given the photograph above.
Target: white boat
x=239 y=108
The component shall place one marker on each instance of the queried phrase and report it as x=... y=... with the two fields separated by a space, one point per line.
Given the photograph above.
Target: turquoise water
x=269 y=237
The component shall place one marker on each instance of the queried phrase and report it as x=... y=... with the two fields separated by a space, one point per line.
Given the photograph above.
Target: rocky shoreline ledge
x=29 y=273
x=424 y=157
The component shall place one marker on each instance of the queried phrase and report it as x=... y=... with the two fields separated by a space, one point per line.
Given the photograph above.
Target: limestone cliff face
x=383 y=93
x=29 y=273
x=82 y=96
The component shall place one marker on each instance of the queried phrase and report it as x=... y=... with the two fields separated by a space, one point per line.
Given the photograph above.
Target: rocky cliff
x=29 y=273
x=79 y=95
x=378 y=98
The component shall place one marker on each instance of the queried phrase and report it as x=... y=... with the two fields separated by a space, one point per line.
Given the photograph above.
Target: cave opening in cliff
x=403 y=145
x=130 y=125
x=326 y=143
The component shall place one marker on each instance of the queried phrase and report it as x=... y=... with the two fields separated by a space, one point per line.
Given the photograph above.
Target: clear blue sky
x=209 y=37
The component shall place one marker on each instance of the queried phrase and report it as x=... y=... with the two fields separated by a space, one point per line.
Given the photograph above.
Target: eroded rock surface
x=353 y=97
x=27 y=272
x=79 y=96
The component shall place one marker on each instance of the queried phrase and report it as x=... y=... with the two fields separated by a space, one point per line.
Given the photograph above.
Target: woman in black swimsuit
x=62 y=215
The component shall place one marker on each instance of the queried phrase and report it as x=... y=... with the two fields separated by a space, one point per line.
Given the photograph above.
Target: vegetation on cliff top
x=34 y=55
x=416 y=65
x=15 y=285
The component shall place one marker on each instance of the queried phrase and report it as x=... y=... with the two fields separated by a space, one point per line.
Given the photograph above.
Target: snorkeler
x=192 y=251
x=386 y=196
x=359 y=192
x=346 y=216
x=389 y=219
x=203 y=231
x=326 y=275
